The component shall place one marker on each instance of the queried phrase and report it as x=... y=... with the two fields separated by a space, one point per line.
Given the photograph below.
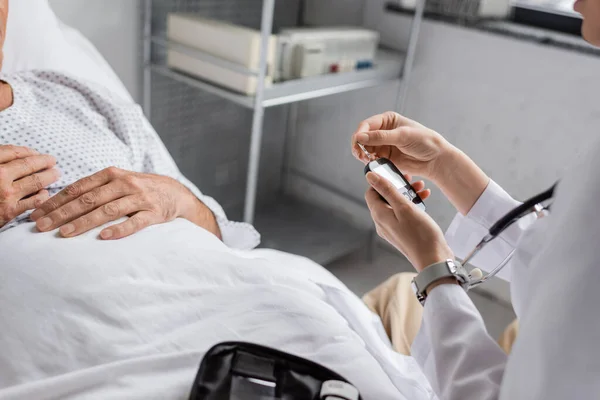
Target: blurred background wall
x=114 y=28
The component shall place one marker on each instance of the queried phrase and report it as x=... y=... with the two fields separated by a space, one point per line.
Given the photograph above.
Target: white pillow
x=36 y=39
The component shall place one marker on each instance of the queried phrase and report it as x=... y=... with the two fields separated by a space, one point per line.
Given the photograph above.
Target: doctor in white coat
x=554 y=273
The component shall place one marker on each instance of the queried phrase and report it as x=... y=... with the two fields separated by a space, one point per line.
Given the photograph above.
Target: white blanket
x=131 y=319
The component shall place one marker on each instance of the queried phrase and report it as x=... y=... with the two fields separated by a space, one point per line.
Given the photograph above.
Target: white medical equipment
x=304 y=52
x=227 y=52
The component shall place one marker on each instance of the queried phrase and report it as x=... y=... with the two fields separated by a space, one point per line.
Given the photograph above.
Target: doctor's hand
x=413 y=148
x=113 y=193
x=24 y=175
x=418 y=150
x=405 y=226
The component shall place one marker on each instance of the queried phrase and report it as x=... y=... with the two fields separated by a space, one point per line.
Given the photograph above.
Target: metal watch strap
x=435 y=272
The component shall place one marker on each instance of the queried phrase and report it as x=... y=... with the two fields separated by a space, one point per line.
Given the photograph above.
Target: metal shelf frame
x=389 y=69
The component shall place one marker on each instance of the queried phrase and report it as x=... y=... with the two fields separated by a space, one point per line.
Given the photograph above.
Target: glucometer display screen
x=386 y=172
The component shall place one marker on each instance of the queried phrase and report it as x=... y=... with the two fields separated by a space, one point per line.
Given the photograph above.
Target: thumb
x=399 y=137
x=388 y=191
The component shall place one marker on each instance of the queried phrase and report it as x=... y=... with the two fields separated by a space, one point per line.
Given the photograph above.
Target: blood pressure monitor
x=386 y=169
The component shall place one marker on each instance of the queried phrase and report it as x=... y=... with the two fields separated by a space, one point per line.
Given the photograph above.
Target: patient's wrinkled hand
x=112 y=194
x=24 y=173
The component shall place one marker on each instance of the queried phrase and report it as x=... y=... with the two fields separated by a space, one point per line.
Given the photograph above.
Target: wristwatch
x=435 y=272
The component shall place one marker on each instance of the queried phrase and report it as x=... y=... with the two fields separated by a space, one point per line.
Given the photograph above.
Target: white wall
x=113 y=27
x=521 y=110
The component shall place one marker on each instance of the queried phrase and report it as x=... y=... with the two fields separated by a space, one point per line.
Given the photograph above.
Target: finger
x=370 y=124
x=388 y=191
x=399 y=137
x=387 y=120
x=424 y=194
x=358 y=152
x=380 y=210
x=23 y=167
x=134 y=224
x=373 y=199
x=418 y=186
x=87 y=202
x=32 y=202
x=10 y=153
x=373 y=123
x=76 y=190
x=36 y=182
x=109 y=212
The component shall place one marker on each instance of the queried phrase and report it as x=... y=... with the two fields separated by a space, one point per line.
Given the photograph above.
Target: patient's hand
x=112 y=194
x=24 y=173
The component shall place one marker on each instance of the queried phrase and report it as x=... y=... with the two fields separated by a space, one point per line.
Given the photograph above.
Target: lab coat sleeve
x=454 y=350
x=157 y=160
x=461 y=360
x=465 y=232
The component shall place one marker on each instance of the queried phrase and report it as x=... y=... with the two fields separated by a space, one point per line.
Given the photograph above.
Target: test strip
x=364 y=149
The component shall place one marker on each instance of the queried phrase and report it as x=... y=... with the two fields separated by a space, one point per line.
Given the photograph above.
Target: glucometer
x=386 y=169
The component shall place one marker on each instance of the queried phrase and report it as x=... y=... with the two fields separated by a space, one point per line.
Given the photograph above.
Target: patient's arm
x=24 y=175
x=111 y=194
x=158 y=160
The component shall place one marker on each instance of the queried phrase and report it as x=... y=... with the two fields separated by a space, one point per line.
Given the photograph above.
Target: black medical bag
x=245 y=371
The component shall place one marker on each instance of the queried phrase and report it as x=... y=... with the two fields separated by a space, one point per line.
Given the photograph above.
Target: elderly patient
x=117 y=274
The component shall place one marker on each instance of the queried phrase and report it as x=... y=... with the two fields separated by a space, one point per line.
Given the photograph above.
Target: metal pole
x=415 y=28
x=147 y=84
x=288 y=145
x=268 y=12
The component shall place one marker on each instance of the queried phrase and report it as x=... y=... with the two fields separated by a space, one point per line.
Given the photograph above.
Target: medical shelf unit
x=290 y=225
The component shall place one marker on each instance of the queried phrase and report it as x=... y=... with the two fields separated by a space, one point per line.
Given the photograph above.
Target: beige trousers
x=401 y=313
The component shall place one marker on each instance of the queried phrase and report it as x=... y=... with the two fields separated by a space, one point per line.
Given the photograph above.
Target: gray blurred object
x=207 y=124
x=462 y=10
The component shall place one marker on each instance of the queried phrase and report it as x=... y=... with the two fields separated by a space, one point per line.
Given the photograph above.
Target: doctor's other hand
x=405 y=226
x=412 y=147
x=112 y=194
x=24 y=175
x=419 y=151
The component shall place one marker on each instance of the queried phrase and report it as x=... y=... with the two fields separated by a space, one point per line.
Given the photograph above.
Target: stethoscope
x=538 y=205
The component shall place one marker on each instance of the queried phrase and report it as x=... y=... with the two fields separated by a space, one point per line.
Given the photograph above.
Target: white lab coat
x=555 y=289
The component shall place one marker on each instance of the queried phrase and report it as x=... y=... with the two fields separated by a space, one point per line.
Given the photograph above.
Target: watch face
x=451 y=266
x=437 y=272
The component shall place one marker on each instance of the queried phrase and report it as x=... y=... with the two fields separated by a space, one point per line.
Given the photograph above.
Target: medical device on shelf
x=304 y=52
x=228 y=55
x=220 y=46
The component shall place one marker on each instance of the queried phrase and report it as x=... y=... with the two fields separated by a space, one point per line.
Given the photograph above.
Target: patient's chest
x=86 y=128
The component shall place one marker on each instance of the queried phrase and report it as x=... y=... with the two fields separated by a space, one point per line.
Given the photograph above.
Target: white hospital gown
x=87 y=128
